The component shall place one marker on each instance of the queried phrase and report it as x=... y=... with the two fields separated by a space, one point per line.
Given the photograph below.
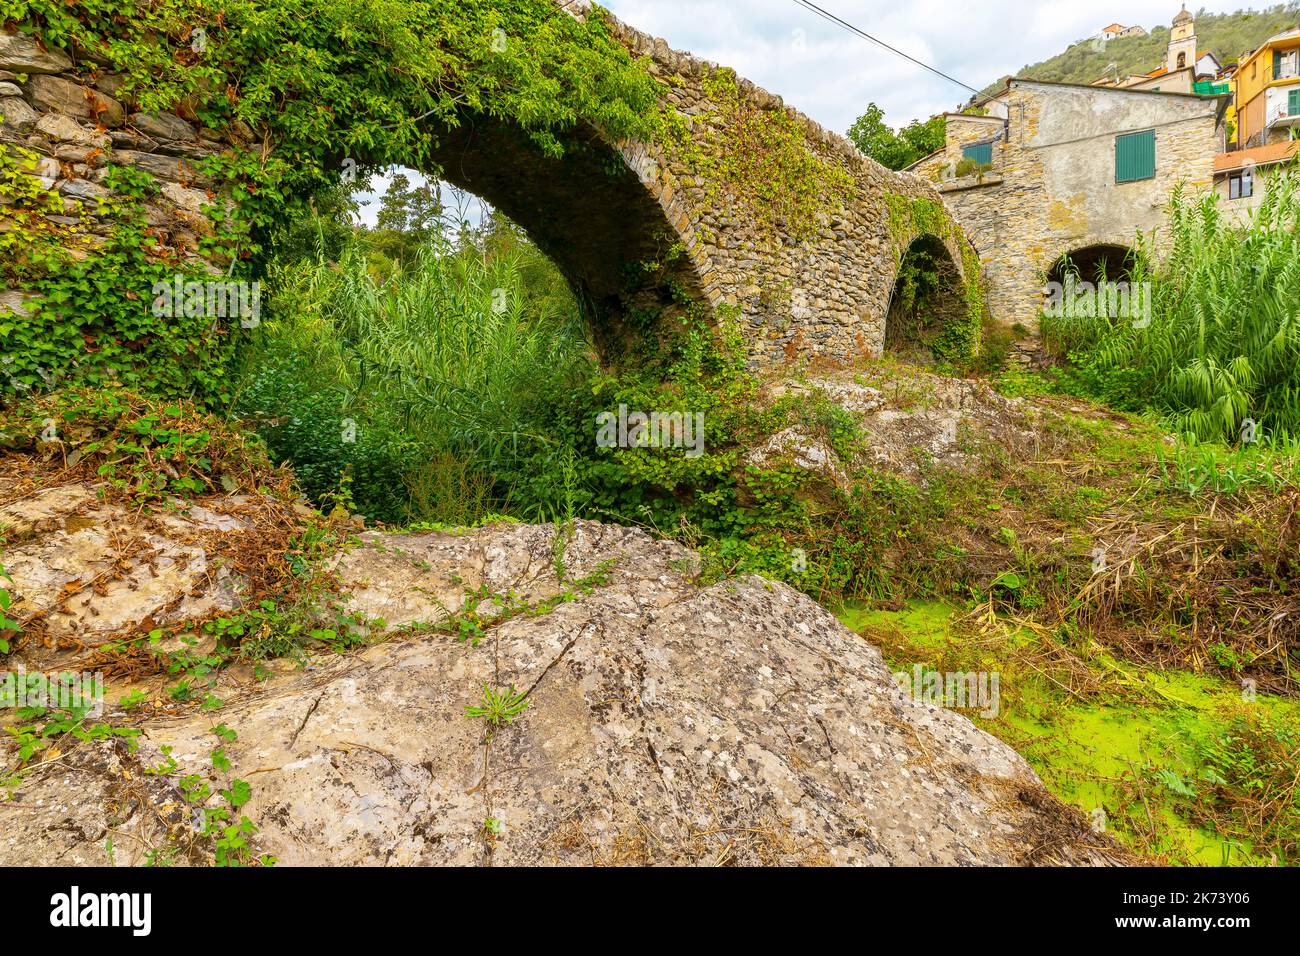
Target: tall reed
x=1223 y=344
x=443 y=366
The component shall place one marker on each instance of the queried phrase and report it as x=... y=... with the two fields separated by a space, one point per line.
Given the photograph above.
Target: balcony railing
x=1279 y=115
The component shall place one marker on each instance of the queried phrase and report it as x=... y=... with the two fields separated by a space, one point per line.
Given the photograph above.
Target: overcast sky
x=831 y=74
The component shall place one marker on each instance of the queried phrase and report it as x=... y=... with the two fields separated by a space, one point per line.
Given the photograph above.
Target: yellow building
x=1266 y=92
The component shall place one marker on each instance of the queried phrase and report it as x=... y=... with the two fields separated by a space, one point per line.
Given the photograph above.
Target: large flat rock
x=667 y=722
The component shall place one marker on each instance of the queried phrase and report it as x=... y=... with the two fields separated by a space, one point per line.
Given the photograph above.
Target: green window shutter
x=1293 y=102
x=1277 y=64
x=982 y=153
x=1135 y=156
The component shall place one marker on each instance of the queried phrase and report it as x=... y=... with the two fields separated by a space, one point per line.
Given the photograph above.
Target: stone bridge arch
x=928 y=314
x=823 y=293
x=591 y=211
x=599 y=211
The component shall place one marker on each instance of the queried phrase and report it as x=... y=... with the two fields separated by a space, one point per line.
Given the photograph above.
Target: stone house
x=1057 y=171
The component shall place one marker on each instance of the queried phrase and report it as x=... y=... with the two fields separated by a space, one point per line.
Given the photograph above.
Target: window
x=1293 y=102
x=1135 y=156
x=1182 y=60
x=1241 y=185
x=981 y=153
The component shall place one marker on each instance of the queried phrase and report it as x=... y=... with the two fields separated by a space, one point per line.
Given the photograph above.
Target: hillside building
x=1266 y=89
x=1056 y=172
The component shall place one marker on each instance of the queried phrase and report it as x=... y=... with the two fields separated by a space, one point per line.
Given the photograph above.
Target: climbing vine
x=759 y=157
x=90 y=317
x=310 y=93
x=313 y=83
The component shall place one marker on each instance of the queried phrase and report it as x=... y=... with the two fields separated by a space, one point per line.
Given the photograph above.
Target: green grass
x=410 y=394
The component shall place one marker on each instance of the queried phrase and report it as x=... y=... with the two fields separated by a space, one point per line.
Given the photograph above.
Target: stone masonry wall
x=1055 y=189
x=828 y=296
x=70 y=116
x=961 y=131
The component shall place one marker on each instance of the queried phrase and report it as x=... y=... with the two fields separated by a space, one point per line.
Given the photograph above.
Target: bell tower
x=1182 y=42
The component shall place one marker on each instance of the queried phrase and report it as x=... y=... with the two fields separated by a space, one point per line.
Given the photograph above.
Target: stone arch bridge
x=595 y=211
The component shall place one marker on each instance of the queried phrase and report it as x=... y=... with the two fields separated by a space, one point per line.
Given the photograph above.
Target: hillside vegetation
x=1228 y=35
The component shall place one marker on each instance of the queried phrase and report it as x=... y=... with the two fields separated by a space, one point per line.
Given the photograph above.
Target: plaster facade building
x=1241 y=177
x=1062 y=170
x=1267 y=89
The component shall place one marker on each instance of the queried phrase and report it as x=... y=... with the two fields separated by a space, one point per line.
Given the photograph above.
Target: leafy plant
x=8 y=625
x=1222 y=345
x=498 y=707
x=229 y=835
x=44 y=731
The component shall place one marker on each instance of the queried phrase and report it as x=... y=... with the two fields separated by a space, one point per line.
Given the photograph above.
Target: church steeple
x=1182 y=42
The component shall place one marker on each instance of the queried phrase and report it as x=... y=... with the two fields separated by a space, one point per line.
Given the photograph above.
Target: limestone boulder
x=662 y=722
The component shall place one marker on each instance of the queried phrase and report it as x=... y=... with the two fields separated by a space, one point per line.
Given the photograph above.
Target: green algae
x=1131 y=750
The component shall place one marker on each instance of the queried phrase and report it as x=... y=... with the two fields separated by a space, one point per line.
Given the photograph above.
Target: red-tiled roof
x=1259 y=156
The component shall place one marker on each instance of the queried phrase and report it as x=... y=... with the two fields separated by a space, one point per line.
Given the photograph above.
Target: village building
x=1241 y=177
x=1117 y=31
x=1266 y=88
x=1186 y=69
x=1044 y=174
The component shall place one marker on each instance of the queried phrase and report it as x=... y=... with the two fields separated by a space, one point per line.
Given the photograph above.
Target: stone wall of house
x=1055 y=190
x=962 y=131
x=74 y=120
x=824 y=295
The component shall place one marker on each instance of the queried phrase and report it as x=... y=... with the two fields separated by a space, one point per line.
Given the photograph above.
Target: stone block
x=162 y=126
x=20 y=53
x=63 y=96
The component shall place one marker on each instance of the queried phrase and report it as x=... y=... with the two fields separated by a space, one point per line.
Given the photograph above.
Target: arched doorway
x=928 y=297
x=1108 y=262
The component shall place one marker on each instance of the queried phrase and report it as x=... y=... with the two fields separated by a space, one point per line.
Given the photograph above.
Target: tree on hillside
x=896 y=150
x=410 y=209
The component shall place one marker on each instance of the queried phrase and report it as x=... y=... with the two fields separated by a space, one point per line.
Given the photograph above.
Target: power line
x=827 y=15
